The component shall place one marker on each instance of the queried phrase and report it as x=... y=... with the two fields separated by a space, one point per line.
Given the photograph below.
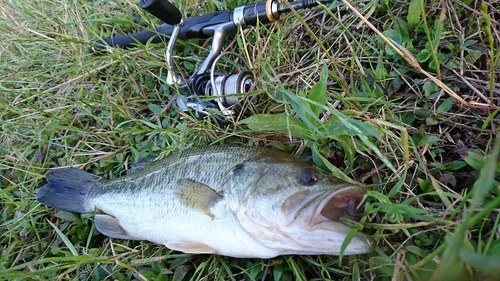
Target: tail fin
x=68 y=189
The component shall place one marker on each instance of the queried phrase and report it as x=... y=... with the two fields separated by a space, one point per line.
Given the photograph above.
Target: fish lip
x=361 y=243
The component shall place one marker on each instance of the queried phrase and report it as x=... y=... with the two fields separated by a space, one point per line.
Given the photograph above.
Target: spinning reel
x=206 y=90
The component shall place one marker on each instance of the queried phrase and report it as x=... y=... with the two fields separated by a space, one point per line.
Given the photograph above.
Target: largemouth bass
x=232 y=201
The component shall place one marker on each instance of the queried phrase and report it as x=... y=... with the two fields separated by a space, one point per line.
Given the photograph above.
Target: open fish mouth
x=333 y=206
x=314 y=207
x=320 y=215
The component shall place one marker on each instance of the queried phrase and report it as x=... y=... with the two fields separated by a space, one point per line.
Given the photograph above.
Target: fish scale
x=233 y=201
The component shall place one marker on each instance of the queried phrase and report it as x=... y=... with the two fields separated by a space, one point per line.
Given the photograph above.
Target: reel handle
x=163 y=10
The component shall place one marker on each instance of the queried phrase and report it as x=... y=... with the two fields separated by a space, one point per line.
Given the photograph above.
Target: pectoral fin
x=111 y=227
x=196 y=195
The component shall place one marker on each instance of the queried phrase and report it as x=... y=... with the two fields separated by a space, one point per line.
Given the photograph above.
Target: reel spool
x=216 y=90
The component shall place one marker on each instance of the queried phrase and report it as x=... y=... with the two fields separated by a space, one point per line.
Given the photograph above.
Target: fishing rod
x=222 y=88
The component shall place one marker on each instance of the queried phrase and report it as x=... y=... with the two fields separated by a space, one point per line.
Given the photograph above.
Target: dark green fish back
x=205 y=165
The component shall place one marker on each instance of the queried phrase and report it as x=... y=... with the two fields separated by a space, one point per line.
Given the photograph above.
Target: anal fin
x=191 y=247
x=111 y=227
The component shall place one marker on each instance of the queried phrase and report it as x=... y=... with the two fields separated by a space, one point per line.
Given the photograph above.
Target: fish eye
x=308 y=177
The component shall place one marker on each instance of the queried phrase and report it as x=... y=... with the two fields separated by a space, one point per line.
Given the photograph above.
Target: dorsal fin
x=142 y=163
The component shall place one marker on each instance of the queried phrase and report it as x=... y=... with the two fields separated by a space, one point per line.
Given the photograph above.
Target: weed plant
x=400 y=96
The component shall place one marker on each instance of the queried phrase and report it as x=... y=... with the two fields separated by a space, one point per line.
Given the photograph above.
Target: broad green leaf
x=430 y=88
x=455 y=165
x=445 y=105
x=416 y=250
x=487 y=265
x=402 y=28
x=467 y=44
x=438 y=30
x=363 y=131
x=156 y=109
x=324 y=164
x=475 y=160
x=300 y=106
x=423 y=56
x=318 y=92
x=349 y=150
x=414 y=13
x=381 y=73
x=439 y=165
x=394 y=35
x=338 y=131
x=397 y=187
x=279 y=123
x=337 y=128
x=424 y=185
x=355 y=126
x=410 y=211
x=441 y=58
x=379 y=197
x=366 y=141
x=485 y=182
x=428 y=139
x=454 y=254
x=431 y=121
x=278 y=272
x=495 y=248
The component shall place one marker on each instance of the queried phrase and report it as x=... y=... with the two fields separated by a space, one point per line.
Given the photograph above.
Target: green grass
x=383 y=110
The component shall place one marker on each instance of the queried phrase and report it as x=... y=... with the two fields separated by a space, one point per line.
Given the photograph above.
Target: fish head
x=293 y=208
